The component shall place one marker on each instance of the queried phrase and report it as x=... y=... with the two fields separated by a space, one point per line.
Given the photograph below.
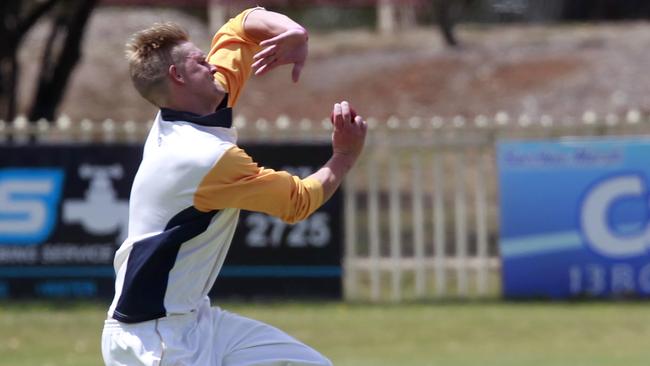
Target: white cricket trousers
x=207 y=337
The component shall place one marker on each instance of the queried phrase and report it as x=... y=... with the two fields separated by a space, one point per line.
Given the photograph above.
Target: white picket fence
x=420 y=207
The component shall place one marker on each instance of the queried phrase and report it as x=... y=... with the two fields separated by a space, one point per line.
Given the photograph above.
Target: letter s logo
x=28 y=204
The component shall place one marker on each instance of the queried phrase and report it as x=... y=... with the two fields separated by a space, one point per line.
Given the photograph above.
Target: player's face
x=199 y=75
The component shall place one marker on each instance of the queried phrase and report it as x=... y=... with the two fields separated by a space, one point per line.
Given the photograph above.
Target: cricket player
x=191 y=184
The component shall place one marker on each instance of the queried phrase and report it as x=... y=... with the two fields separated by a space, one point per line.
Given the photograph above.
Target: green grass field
x=448 y=333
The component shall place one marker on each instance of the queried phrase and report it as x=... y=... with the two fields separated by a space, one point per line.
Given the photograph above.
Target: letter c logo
x=595 y=212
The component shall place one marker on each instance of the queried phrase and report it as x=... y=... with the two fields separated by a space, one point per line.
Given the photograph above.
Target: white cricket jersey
x=187 y=193
x=183 y=212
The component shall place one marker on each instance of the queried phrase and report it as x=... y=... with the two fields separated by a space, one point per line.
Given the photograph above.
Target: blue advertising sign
x=575 y=217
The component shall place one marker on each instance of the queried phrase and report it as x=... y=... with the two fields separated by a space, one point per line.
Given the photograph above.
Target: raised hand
x=289 y=47
x=349 y=131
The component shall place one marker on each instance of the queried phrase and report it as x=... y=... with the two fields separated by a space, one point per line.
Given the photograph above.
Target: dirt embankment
x=559 y=71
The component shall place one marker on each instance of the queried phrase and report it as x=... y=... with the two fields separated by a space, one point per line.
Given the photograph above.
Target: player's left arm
x=257 y=41
x=284 y=41
x=232 y=52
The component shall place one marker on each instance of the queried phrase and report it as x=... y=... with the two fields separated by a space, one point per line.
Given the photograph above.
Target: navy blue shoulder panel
x=221 y=117
x=149 y=264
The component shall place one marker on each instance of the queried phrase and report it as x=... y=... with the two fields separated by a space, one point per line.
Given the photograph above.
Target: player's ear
x=175 y=75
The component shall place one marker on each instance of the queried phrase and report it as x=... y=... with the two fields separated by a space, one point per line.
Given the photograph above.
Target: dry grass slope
x=559 y=71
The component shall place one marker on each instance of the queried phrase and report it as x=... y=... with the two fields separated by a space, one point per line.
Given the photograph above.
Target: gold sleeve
x=232 y=52
x=237 y=182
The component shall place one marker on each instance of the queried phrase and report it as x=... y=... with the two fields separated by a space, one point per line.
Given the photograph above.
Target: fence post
x=418 y=226
x=460 y=223
x=350 y=255
x=395 y=229
x=481 y=226
x=373 y=229
x=439 y=226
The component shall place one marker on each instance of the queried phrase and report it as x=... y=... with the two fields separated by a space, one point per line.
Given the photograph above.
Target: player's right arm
x=236 y=181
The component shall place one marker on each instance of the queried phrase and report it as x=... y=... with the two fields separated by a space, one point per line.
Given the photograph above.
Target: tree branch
x=38 y=11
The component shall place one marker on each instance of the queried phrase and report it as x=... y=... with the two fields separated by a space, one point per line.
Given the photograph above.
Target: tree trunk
x=386 y=16
x=8 y=75
x=59 y=62
x=218 y=14
x=445 y=19
x=15 y=21
x=8 y=65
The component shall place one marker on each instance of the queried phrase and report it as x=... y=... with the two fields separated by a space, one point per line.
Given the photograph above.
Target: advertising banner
x=64 y=212
x=575 y=217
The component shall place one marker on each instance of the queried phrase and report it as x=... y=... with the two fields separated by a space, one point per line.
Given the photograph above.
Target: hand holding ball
x=349 y=132
x=353 y=115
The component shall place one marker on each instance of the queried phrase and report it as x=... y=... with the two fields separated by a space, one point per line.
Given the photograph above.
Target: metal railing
x=421 y=206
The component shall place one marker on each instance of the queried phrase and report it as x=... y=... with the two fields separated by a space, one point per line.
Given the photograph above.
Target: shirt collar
x=222 y=117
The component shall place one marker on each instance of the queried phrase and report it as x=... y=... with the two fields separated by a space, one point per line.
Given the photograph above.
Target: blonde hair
x=150 y=52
